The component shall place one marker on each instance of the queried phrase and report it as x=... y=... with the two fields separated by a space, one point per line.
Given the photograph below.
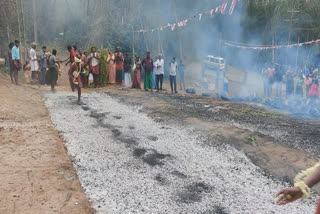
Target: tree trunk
x=35 y=30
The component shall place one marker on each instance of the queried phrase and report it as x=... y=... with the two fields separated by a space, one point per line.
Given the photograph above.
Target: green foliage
x=103 y=68
x=4 y=70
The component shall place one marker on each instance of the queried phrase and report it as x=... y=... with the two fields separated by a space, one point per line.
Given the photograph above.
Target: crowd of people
x=299 y=82
x=84 y=68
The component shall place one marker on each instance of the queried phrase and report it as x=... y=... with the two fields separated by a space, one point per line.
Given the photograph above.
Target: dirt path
x=36 y=173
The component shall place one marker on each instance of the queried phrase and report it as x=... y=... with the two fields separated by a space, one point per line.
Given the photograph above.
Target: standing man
x=173 y=67
x=181 y=75
x=52 y=73
x=34 y=62
x=94 y=66
x=10 y=60
x=127 y=70
x=119 y=66
x=84 y=74
x=160 y=72
x=43 y=65
x=147 y=64
x=16 y=60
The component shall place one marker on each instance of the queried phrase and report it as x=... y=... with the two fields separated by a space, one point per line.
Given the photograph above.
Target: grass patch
x=4 y=70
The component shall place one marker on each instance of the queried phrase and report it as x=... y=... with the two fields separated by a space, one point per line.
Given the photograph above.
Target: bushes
x=103 y=68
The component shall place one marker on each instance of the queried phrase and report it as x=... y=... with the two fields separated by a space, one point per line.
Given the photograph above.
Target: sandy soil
x=39 y=177
x=36 y=174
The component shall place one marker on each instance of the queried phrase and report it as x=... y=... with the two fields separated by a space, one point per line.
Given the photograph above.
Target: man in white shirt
x=173 y=67
x=34 y=62
x=159 y=72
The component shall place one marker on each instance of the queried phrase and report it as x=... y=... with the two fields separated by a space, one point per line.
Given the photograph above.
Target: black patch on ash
x=96 y=115
x=155 y=158
x=161 y=180
x=179 y=174
x=86 y=108
x=129 y=141
x=193 y=192
x=138 y=152
x=117 y=117
x=152 y=138
x=132 y=127
x=216 y=210
x=116 y=132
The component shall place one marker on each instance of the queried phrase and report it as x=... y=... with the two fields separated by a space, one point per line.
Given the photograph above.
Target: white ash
x=128 y=163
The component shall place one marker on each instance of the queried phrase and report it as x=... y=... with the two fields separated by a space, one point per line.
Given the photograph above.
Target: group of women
x=115 y=62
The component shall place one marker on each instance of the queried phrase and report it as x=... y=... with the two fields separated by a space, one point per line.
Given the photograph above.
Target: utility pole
x=24 y=33
x=35 y=21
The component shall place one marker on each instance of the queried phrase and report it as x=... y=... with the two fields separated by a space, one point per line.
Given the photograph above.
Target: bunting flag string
x=173 y=26
x=262 y=47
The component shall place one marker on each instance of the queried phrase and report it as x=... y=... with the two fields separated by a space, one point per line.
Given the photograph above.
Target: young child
x=27 y=72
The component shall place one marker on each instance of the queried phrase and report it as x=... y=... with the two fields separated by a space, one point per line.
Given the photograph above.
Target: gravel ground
x=128 y=163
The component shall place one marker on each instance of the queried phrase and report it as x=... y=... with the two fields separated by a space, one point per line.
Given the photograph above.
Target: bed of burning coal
x=295 y=132
x=129 y=163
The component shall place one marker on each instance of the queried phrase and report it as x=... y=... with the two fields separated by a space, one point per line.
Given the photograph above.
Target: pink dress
x=111 y=69
x=314 y=91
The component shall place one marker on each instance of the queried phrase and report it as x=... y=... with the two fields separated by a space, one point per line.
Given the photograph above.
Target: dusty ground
x=36 y=174
x=277 y=143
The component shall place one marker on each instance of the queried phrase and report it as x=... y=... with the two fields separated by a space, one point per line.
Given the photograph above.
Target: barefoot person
x=304 y=181
x=111 y=67
x=52 y=73
x=70 y=60
x=84 y=73
x=147 y=64
x=127 y=70
x=34 y=63
x=74 y=72
x=43 y=65
x=10 y=60
x=137 y=73
x=173 y=67
x=16 y=61
x=119 y=66
x=94 y=66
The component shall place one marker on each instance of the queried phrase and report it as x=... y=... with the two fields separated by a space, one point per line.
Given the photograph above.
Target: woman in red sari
x=137 y=74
